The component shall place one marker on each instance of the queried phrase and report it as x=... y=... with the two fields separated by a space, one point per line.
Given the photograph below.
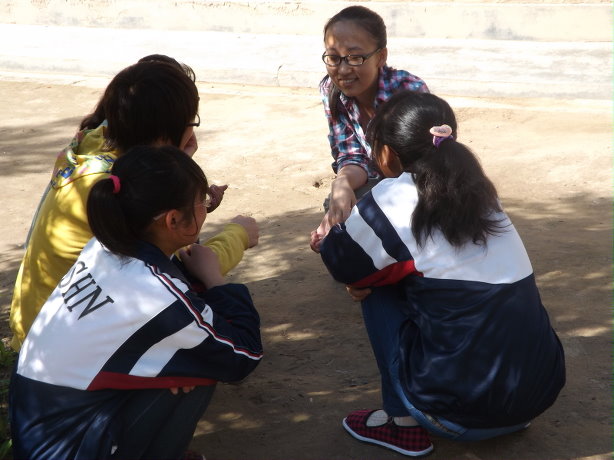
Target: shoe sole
x=409 y=453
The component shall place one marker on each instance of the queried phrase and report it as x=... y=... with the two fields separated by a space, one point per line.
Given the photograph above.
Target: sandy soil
x=551 y=161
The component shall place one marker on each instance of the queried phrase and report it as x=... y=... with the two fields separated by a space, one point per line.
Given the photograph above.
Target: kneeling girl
x=99 y=372
x=463 y=343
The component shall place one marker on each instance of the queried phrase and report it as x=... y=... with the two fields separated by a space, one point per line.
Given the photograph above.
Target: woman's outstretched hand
x=342 y=200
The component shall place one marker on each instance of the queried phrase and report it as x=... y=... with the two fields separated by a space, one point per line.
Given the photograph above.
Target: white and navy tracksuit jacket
x=478 y=347
x=117 y=324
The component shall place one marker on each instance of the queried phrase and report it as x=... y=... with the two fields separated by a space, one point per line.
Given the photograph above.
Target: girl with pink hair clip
x=463 y=343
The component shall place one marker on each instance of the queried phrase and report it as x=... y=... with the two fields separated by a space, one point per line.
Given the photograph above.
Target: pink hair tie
x=116 y=184
x=440 y=134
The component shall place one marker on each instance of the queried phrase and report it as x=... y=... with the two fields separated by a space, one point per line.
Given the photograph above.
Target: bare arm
x=342 y=198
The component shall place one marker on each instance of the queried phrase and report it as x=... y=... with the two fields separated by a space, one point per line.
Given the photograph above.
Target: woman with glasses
x=153 y=102
x=358 y=81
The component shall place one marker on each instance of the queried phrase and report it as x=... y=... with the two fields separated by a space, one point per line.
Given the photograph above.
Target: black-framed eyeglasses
x=334 y=60
x=196 y=123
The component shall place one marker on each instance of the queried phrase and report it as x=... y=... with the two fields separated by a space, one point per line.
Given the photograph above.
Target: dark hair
x=454 y=194
x=164 y=58
x=368 y=20
x=151 y=180
x=150 y=100
x=94 y=119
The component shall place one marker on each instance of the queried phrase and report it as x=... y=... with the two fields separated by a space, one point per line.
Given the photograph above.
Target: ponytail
x=107 y=219
x=454 y=195
x=94 y=119
x=145 y=182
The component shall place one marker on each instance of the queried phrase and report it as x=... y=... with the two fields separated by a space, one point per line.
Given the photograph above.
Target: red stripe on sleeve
x=117 y=381
x=389 y=275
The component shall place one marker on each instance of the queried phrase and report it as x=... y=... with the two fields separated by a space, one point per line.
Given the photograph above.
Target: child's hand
x=318 y=234
x=315 y=241
x=358 y=294
x=202 y=263
x=175 y=390
x=251 y=227
x=217 y=195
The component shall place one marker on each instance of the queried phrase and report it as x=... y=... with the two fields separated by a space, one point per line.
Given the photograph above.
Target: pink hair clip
x=116 y=184
x=440 y=134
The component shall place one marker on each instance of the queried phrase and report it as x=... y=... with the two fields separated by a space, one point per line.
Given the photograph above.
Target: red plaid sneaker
x=407 y=440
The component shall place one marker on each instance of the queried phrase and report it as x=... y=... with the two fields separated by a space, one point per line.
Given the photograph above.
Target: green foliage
x=7 y=358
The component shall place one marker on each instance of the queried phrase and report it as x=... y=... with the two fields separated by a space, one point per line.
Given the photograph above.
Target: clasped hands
x=342 y=200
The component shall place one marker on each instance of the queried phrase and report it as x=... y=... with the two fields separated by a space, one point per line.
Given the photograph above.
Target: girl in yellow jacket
x=153 y=102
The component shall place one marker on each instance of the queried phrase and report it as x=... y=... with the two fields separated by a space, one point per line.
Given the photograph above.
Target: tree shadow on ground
x=42 y=144
x=318 y=364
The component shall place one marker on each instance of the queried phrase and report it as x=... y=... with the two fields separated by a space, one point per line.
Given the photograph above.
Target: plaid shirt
x=347 y=138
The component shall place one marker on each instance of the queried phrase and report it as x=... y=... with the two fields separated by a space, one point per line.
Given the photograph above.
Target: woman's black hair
x=153 y=99
x=94 y=119
x=369 y=21
x=151 y=180
x=164 y=58
x=454 y=194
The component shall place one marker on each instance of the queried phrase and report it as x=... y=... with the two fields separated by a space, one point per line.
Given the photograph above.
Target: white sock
x=405 y=421
x=377 y=418
x=380 y=417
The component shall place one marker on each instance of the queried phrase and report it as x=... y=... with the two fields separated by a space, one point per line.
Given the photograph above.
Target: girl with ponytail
x=463 y=343
x=100 y=373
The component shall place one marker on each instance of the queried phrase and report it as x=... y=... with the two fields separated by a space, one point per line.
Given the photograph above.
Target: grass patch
x=7 y=359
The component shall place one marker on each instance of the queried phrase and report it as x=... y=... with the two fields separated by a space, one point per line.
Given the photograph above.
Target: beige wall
x=520 y=48
x=558 y=20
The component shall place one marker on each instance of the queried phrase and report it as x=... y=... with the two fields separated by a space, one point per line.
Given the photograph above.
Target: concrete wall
x=536 y=21
x=506 y=49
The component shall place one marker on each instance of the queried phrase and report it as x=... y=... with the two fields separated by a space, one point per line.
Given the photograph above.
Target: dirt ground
x=551 y=161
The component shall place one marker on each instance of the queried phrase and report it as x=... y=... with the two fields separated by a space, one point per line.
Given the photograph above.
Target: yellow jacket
x=60 y=229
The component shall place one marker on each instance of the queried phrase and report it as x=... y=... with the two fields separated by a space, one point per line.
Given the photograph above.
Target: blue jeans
x=384 y=312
